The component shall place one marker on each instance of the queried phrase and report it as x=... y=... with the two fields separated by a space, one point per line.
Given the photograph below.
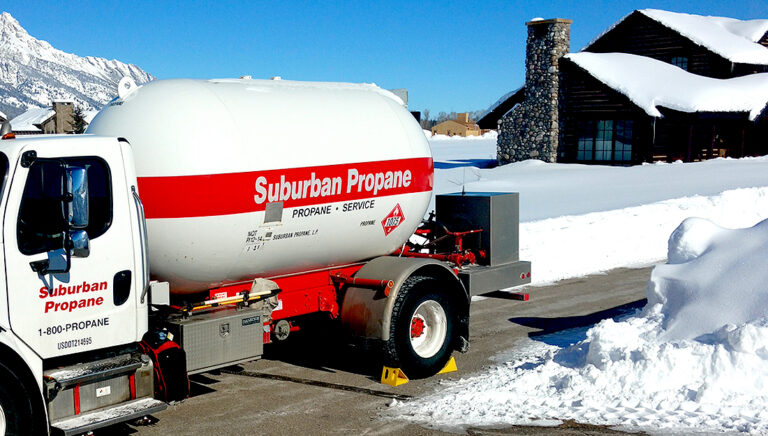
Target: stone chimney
x=532 y=129
x=463 y=117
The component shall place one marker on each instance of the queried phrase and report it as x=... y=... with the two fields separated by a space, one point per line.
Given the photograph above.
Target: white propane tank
x=258 y=178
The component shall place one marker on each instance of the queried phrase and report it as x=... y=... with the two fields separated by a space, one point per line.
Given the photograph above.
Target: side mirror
x=74 y=205
x=77 y=188
x=76 y=244
x=79 y=244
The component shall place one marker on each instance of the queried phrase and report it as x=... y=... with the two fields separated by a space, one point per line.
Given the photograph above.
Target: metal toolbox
x=498 y=215
x=217 y=339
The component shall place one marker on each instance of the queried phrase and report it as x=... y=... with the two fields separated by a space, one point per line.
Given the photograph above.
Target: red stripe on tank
x=233 y=193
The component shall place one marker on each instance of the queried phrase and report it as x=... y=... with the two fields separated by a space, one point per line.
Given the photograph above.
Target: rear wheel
x=422 y=328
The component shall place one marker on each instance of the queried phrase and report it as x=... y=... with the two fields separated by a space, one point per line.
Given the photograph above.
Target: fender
x=27 y=365
x=367 y=313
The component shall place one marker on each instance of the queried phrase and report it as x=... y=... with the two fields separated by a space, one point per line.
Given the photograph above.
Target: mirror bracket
x=40 y=266
x=28 y=158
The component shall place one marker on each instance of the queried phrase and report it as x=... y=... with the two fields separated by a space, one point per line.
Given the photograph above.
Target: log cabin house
x=656 y=86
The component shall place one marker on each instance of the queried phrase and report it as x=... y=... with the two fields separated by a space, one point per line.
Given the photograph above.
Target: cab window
x=41 y=217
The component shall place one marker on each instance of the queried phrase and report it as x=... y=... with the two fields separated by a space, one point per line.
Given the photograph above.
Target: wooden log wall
x=586 y=98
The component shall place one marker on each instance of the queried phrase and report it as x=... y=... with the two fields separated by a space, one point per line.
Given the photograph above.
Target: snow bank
x=695 y=359
x=555 y=190
x=650 y=83
x=579 y=245
x=714 y=277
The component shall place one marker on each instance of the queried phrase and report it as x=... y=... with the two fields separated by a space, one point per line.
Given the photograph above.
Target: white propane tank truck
x=198 y=220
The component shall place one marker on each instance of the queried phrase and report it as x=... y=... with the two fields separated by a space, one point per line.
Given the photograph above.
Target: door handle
x=122 y=287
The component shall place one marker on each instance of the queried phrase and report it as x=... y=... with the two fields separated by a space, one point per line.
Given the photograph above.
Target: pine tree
x=79 y=124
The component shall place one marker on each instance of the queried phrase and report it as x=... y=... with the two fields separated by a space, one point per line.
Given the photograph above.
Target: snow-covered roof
x=88 y=116
x=650 y=83
x=498 y=110
x=735 y=40
x=26 y=121
x=3 y=116
x=498 y=103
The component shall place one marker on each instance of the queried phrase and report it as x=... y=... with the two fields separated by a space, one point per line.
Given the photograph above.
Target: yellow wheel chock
x=450 y=366
x=396 y=376
x=393 y=376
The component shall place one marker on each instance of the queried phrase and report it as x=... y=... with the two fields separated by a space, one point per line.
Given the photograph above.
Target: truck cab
x=72 y=303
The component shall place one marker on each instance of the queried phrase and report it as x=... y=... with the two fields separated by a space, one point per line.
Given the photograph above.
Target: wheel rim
x=429 y=326
x=2 y=420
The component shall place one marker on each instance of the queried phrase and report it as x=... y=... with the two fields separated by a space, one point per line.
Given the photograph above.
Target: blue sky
x=450 y=55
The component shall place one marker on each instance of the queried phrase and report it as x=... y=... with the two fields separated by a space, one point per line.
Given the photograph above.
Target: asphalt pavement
x=315 y=384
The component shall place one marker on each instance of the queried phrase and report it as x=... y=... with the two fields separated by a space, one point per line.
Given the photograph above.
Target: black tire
x=399 y=349
x=17 y=406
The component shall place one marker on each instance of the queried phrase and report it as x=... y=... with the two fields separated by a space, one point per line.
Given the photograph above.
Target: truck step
x=104 y=417
x=100 y=369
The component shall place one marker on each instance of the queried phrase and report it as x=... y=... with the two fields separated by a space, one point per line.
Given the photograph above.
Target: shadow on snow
x=565 y=331
x=477 y=163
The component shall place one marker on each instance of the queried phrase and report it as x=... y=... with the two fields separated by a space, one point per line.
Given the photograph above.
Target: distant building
x=461 y=126
x=402 y=93
x=35 y=121
x=655 y=86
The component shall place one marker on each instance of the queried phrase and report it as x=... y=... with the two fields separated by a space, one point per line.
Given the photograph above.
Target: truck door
x=93 y=304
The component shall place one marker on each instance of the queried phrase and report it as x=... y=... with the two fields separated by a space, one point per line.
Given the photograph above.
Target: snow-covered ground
x=695 y=359
x=581 y=219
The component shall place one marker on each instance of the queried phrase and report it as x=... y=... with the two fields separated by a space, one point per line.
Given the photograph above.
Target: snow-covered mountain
x=33 y=73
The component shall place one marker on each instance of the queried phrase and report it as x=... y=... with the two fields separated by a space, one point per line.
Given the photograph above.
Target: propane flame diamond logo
x=394 y=219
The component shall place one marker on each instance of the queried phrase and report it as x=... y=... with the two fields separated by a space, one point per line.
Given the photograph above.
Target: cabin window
x=586 y=140
x=604 y=141
x=622 y=146
x=680 y=61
